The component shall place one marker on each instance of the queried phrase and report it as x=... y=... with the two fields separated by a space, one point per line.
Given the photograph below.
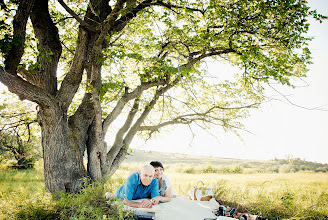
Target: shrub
x=90 y=204
x=21 y=154
x=237 y=169
x=208 y=169
x=286 y=168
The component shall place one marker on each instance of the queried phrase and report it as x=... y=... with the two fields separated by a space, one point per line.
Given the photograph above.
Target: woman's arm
x=167 y=196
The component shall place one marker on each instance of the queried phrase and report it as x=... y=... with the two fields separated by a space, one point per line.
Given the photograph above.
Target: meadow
x=272 y=195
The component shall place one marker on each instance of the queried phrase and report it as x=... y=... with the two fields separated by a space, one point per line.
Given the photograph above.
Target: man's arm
x=127 y=190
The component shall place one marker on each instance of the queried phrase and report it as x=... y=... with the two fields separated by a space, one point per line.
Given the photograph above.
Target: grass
x=23 y=196
x=274 y=195
x=21 y=190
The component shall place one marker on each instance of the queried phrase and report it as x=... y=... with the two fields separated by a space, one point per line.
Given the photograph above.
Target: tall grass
x=23 y=196
x=21 y=190
x=274 y=196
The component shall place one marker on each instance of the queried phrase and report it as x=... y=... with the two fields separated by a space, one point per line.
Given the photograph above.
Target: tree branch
x=119 y=24
x=119 y=143
x=25 y=90
x=190 y=118
x=49 y=45
x=77 y=18
x=19 y=25
x=126 y=98
x=73 y=78
x=170 y=6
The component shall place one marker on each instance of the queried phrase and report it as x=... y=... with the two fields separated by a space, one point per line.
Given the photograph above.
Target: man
x=140 y=185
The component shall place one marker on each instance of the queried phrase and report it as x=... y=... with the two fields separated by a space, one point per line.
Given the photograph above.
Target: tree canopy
x=88 y=63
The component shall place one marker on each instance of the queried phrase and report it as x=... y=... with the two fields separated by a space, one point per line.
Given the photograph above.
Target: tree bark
x=63 y=162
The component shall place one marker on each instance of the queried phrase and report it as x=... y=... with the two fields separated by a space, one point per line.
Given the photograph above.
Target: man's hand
x=145 y=204
x=156 y=200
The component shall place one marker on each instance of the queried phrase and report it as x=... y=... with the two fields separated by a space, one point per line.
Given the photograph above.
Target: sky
x=279 y=129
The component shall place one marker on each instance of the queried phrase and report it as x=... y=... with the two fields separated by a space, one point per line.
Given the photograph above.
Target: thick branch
x=122 y=147
x=19 y=24
x=193 y=58
x=119 y=24
x=73 y=78
x=132 y=132
x=125 y=99
x=48 y=44
x=80 y=122
x=122 y=131
x=25 y=90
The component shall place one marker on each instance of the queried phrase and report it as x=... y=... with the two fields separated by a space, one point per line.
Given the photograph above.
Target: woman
x=166 y=190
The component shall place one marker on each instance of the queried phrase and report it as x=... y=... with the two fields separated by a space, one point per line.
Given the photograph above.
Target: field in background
x=183 y=163
x=276 y=195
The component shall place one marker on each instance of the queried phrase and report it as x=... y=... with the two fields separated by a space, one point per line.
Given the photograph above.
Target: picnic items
x=232 y=213
x=225 y=211
x=201 y=193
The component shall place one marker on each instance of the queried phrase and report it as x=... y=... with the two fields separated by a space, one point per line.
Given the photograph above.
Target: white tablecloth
x=182 y=208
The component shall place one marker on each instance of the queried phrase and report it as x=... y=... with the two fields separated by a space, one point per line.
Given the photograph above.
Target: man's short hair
x=148 y=167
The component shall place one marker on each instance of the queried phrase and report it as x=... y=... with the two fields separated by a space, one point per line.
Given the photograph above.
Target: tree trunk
x=63 y=162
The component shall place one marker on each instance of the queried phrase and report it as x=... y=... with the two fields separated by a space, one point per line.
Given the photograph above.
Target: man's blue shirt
x=133 y=188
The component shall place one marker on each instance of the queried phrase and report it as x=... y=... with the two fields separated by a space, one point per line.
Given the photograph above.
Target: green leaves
x=170 y=41
x=109 y=85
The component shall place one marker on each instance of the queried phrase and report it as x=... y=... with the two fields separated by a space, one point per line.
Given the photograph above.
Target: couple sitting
x=150 y=184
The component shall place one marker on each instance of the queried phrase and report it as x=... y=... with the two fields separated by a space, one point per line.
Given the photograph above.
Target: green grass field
x=274 y=195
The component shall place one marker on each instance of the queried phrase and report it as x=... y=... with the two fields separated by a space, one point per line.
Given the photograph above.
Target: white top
x=166 y=184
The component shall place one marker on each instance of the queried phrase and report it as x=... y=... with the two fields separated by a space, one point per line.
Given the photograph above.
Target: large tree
x=141 y=62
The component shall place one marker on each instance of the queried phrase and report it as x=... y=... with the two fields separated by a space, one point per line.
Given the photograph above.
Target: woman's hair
x=156 y=164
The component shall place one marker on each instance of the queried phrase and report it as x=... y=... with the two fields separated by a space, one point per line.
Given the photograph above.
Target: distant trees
x=234 y=166
x=291 y=164
x=18 y=133
x=264 y=167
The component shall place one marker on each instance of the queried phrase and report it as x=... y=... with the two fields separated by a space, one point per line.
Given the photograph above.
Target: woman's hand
x=156 y=200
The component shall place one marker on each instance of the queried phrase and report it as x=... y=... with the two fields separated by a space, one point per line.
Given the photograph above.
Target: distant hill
x=141 y=156
x=225 y=165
